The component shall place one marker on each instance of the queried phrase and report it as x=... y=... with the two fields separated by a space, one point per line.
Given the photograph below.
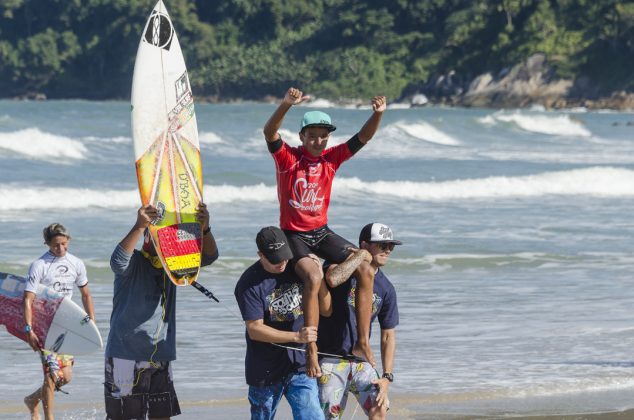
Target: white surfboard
x=166 y=147
x=62 y=324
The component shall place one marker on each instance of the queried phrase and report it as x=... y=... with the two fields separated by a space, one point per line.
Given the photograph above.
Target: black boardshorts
x=138 y=390
x=322 y=242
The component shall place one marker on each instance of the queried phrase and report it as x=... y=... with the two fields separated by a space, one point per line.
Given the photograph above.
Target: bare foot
x=32 y=403
x=364 y=352
x=313 y=370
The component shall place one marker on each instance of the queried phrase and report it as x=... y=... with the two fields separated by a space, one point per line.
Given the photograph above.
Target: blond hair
x=53 y=230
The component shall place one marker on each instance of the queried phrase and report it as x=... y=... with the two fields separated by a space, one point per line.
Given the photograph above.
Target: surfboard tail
x=179 y=248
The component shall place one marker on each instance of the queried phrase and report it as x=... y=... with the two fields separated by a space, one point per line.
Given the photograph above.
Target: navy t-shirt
x=277 y=300
x=338 y=333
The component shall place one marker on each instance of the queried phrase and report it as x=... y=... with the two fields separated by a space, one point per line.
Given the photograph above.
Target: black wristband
x=388 y=376
x=206 y=231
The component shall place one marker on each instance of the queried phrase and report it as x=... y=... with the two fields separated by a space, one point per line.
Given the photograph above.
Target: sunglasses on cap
x=385 y=246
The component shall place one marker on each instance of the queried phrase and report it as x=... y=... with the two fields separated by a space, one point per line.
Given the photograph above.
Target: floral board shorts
x=138 y=390
x=341 y=377
x=53 y=363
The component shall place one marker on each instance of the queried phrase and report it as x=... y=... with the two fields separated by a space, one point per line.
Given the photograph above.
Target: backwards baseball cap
x=378 y=232
x=273 y=244
x=317 y=119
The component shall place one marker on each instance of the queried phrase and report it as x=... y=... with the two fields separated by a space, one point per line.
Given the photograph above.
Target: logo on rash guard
x=62 y=288
x=61 y=270
x=306 y=196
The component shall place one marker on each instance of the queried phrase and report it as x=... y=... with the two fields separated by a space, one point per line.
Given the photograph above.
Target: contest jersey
x=304 y=184
x=277 y=300
x=338 y=333
x=58 y=273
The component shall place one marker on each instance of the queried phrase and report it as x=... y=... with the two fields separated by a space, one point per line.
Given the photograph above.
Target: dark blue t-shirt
x=338 y=333
x=277 y=300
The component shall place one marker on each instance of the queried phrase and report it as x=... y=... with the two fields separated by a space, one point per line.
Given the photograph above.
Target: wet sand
x=404 y=406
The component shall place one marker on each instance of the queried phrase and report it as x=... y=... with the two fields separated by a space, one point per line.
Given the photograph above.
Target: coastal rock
x=530 y=82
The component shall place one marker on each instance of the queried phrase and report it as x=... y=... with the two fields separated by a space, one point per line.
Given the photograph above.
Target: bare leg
x=32 y=403
x=48 y=391
x=309 y=270
x=377 y=413
x=48 y=397
x=363 y=310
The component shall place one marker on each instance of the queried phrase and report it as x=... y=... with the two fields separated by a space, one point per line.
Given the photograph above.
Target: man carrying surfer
x=337 y=331
x=142 y=339
x=304 y=181
x=269 y=295
x=59 y=270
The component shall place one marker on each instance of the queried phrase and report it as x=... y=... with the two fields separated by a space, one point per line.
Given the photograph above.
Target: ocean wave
x=596 y=182
x=208 y=137
x=114 y=140
x=36 y=144
x=16 y=197
x=319 y=103
x=556 y=125
x=424 y=131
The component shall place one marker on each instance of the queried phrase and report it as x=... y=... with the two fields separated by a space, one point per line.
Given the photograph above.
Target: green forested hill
x=331 y=48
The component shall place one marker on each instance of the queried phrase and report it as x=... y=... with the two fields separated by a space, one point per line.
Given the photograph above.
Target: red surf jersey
x=304 y=184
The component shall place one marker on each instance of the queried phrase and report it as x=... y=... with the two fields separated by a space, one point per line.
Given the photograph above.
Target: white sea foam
x=115 y=140
x=595 y=181
x=426 y=132
x=231 y=193
x=208 y=137
x=16 y=197
x=19 y=198
x=289 y=136
x=319 y=103
x=555 y=125
x=36 y=144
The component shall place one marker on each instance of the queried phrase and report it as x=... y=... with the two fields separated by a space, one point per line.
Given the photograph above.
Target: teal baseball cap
x=317 y=119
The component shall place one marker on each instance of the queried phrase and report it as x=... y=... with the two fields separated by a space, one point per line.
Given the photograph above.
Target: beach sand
x=404 y=406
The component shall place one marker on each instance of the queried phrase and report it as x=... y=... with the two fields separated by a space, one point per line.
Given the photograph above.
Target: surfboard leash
x=202 y=289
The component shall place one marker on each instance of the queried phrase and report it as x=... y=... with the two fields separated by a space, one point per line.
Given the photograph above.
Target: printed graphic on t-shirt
x=285 y=302
x=307 y=196
x=376 y=300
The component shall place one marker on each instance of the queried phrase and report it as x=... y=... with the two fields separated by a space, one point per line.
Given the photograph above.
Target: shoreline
x=404 y=406
x=619 y=102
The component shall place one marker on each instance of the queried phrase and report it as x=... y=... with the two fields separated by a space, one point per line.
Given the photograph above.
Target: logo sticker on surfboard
x=159 y=31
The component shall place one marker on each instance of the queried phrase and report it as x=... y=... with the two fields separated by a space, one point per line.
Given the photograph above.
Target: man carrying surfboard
x=341 y=376
x=304 y=181
x=269 y=295
x=59 y=270
x=142 y=339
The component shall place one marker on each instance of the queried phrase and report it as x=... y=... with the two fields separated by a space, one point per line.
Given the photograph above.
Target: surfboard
x=62 y=324
x=166 y=147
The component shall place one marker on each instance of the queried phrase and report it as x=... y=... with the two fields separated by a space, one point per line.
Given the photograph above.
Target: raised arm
x=259 y=331
x=144 y=216
x=292 y=97
x=210 y=248
x=379 y=103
